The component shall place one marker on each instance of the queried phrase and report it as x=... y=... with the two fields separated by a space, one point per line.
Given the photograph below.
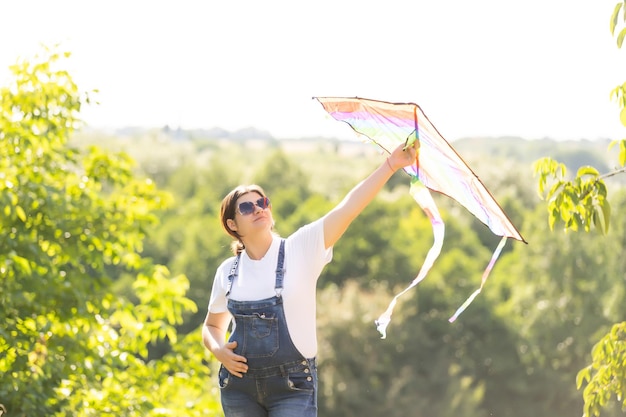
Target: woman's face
x=253 y=214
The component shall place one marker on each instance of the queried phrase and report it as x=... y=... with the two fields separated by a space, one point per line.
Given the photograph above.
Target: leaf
x=20 y=213
x=614 y=17
x=601 y=189
x=554 y=191
x=597 y=221
x=622 y=114
x=614 y=94
x=620 y=37
x=583 y=375
x=23 y=263
x=606 y=212
x=587 y=170
x=552 y=218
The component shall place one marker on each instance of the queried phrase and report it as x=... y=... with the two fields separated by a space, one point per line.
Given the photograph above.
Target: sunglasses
x=248 y=207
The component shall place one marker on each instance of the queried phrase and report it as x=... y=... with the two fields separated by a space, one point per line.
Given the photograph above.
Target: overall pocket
x=259 y=334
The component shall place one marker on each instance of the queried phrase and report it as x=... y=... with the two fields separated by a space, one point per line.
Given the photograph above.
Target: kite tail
x=467 y=302
x=422 y=196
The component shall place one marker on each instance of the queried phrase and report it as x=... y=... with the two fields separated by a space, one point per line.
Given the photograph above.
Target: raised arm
x=336 y=222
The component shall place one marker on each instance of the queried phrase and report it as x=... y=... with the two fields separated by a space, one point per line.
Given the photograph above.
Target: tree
x=582 y=202
x=72 y=222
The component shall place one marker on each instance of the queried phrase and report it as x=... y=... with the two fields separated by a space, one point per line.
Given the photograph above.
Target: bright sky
x=534 y=68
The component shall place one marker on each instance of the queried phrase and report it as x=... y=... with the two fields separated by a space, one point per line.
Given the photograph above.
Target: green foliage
x=279 y=172
x=72 y=221
x=579 y=203
x=606 y=376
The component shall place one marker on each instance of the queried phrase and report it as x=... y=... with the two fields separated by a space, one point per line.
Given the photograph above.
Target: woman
x=268 y=364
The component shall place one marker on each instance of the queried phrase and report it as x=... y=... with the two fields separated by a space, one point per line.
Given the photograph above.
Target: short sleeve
x=217 y=301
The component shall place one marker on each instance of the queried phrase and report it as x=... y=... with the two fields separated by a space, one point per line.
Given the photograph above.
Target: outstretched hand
x=403 y=156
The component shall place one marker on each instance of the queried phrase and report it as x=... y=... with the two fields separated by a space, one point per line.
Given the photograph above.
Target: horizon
x=244 y=133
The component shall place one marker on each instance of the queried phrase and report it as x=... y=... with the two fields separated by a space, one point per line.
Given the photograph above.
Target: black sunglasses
x=248 y=207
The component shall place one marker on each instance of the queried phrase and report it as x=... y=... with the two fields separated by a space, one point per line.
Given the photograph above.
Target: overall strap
x=280 y=270
x=232 y=274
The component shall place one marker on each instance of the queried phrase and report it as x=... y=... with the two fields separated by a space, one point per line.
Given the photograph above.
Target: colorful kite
x=438 y=168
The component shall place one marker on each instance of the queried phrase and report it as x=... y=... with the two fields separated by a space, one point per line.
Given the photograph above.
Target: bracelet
x=389 y=165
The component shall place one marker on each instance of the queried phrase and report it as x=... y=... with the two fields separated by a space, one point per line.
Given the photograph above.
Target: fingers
x=237 y=369
x=412 y=147
x=404 y=156
x=238 y=358
x=236 y=364
x=407 y=153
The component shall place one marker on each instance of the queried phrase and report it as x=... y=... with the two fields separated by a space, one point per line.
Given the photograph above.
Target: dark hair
x=229 y=208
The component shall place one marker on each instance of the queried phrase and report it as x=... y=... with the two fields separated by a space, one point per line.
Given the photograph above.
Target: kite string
x=469 y=300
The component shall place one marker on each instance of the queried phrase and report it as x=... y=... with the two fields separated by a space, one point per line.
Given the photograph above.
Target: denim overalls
x=280 y=382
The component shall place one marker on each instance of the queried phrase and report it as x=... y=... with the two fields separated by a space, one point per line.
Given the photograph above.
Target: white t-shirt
x=305 y=258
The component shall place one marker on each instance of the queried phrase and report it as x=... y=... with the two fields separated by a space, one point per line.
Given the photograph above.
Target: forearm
x=338 y=219
x=210 y=339
x=365 y=191
x=213 y=338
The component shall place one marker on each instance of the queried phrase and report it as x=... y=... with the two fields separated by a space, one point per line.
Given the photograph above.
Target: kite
x=438 y=167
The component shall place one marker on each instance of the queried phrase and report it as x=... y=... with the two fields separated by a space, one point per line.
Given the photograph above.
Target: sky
x=534 y=69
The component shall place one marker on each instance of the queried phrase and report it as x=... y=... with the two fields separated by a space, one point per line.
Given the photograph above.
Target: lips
x=261 y=217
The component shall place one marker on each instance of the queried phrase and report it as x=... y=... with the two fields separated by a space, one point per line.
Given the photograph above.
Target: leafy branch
x=581 y=202
x=609 y=374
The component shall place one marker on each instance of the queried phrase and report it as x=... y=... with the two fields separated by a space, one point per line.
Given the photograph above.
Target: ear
x=231 y=225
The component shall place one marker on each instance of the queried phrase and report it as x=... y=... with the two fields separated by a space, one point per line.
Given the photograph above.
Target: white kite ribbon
x=423 y=198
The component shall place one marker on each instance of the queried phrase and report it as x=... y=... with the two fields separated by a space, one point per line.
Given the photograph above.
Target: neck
x=257 y=248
